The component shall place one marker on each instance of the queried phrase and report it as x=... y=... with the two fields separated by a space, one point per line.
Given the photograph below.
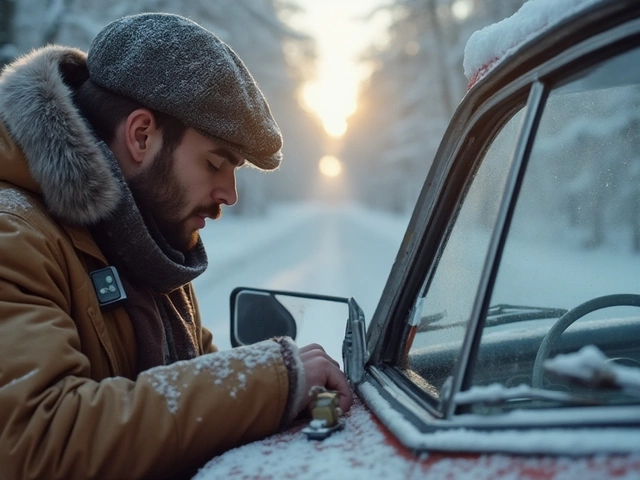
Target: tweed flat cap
x=172 y=64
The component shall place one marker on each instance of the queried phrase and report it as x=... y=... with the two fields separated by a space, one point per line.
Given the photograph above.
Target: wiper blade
x=505 y=313
x=497 y=394
x=501 y=314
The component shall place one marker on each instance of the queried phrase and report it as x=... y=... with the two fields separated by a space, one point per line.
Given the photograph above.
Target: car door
x=519 y=232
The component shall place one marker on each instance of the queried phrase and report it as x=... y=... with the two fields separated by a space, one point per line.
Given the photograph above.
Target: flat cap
x=171 y=64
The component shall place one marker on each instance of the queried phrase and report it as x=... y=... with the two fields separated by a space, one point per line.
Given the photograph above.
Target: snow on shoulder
x=488 y=47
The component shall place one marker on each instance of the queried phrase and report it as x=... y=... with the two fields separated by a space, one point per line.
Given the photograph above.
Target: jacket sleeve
x=58 y=423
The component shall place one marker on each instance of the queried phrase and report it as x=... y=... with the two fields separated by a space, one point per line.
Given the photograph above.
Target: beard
x=159 y=194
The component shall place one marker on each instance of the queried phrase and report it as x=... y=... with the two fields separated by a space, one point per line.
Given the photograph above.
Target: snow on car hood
x=366 y=450
x=489 y=46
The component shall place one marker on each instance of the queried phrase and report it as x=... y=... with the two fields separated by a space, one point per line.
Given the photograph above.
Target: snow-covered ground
x=348 y=250
x=341 y=250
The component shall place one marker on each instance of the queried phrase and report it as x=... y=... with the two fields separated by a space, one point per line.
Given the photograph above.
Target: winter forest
x=402 y=109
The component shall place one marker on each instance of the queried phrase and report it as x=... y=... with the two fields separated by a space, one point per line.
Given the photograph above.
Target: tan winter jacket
x=71 y=406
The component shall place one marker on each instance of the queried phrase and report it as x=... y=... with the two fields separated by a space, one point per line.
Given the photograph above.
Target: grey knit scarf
x=155 y=278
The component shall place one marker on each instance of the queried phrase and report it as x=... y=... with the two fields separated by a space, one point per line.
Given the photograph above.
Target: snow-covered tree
x=408 y=101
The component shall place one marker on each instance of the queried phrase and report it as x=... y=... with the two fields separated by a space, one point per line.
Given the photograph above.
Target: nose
x=225 y=192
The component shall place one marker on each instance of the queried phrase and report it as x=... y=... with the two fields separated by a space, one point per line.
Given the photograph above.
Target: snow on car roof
x=489 y=46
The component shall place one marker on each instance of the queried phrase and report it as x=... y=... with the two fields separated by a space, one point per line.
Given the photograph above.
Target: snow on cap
x=172 y=64
x=488 y=47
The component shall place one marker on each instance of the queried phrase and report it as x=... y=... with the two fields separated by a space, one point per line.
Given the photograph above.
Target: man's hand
x=322 y=370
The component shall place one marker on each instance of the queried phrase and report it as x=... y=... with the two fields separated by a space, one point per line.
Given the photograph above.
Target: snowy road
x=342 y=251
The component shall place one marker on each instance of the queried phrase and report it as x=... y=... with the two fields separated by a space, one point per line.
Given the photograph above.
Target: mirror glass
x=258 y=314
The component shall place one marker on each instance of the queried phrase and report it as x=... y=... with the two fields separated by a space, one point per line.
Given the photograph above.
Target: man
x=110 y=162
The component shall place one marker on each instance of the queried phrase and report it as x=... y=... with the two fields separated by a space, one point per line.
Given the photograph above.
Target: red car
x=506 y=343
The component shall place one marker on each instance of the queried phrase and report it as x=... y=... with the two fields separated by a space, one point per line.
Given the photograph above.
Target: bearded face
x=184 y=185
x=160 y=194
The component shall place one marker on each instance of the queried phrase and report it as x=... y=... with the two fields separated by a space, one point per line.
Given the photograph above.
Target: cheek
x=196 y=188
x=189 y=177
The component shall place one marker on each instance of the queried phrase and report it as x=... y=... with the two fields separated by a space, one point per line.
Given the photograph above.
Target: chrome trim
x=553 y=417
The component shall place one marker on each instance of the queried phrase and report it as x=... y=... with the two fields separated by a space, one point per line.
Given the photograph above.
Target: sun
x=341 y=36
x=461 y=9
x=333 y=103
x=330 y=166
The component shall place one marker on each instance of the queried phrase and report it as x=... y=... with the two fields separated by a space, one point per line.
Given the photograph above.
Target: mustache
x=212 y=211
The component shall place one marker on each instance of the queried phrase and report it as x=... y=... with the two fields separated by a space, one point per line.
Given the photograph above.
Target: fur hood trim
x=63 y=155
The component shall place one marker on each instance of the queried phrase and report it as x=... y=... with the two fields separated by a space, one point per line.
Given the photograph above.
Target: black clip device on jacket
x=108 y=287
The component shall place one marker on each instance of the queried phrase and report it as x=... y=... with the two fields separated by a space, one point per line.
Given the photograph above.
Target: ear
x=142 y=137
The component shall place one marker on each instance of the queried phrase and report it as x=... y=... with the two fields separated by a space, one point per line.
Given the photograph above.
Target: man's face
x=180 y=189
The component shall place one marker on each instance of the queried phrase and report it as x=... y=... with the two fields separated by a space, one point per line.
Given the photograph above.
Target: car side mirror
x=259 y=314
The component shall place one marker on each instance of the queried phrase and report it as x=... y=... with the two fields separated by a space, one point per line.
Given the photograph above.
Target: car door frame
x=594 y=34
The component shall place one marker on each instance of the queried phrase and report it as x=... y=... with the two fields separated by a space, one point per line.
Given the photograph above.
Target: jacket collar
x=59 y=157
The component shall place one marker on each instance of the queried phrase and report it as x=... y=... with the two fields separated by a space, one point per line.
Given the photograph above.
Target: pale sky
x=341 y=36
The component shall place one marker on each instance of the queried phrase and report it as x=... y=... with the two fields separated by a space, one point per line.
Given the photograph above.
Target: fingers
x=312 y=346
x=321 y=370
x=338 y=381
x=316 y=349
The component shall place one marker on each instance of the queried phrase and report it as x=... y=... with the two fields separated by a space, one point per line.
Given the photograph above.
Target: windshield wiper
x=505 y=313
x=500 y=314
x=497 y=394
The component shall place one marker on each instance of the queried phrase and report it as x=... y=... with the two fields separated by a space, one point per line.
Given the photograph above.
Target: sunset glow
x=343 y=31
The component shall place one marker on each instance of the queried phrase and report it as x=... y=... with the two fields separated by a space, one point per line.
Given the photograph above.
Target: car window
x=442 y=311
x=574 y=236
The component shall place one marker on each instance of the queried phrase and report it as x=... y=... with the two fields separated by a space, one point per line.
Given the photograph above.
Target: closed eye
x=234 y=159
x=217 y=163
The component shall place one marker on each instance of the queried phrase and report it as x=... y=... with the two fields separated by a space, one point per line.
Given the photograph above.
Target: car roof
x=488 y=47
x=508 y=49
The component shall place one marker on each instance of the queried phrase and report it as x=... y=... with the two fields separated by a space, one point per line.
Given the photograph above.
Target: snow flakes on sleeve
x=229 y=371
x=165 y=381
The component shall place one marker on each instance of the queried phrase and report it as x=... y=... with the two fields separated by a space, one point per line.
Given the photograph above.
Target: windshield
x=572 y=254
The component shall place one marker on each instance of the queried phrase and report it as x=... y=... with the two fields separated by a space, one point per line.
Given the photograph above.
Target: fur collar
x=63 y=155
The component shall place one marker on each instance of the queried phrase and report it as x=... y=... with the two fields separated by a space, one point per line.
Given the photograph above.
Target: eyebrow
x=233 y=158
